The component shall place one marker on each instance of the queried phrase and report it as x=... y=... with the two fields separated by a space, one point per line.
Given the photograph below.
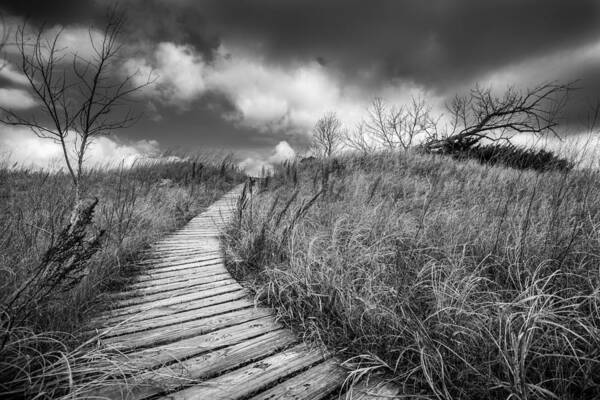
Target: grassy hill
x=454 y=279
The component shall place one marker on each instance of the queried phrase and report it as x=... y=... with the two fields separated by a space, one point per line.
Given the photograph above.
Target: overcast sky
x=253 y=76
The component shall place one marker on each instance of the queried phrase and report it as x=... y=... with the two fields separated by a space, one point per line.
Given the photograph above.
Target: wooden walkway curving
x=190 y=331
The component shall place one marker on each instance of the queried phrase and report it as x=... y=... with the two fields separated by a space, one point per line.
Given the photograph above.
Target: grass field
x=40 y=318
x=454 y=279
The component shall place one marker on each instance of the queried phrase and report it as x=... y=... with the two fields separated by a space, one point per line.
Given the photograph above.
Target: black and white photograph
x=300 y=200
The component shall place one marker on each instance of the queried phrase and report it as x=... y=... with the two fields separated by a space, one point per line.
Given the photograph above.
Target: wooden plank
x=172 y=300
x=198 y=255
x=171 y=262
x=169 y=319
x=168 y=286
x=157 y=256
x=163 y=281
x=186 y=234
x=171 y=293
x=187 y=243
x=178 y=267
x=192 y=370
x=170 y=333
x=197 y=249
x=186 y=348
x=252 y=378
x=181 y=268
x=171 y=309
x=206 y=242
x=180 y=242
x=172 y=274
x=316 y=383
x=151 y=259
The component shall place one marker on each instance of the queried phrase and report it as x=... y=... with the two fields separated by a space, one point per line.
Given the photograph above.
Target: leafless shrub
x=399 y=127
x=482 y=114
x=357 y=139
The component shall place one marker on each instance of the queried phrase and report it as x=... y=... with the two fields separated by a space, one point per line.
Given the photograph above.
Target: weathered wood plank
x=171 y=309
x=198 y=256
x=172 y=300
x=196 y=274
x=169 y=286
x=169 y=319
x=152 y=257
x=316 y=383
x=170 y=333
x=186 y=348
x=180 y=242
x=175 y=262
x=150 y=260
x=192 y=370
x=172 y=274
x=186 y=266
x=252 y=378
x=171 y=293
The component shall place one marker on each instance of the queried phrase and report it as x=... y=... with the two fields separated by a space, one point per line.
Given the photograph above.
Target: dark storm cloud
x=170 y=21
x=148 y=20
x=432 y=42
x=54 y=12
x=440 y=44
x=436 y=43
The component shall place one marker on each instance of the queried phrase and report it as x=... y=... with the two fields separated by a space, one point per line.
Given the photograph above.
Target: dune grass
x=457 y=280
x=42 y=350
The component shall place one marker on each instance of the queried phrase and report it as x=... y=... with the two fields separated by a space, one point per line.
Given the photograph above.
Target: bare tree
x=483 y=115
x=400 y=127
x=77 y=96
x=377 y=124
x=327 y=135
x=357 y=139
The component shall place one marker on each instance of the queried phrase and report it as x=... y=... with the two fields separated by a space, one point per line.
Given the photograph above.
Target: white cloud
x=9 y=72
x=77 y=40
x=178 y=70
x=561 y=64
x=256 y=166
x=21 y=146
x=72 y=39
x=269 y=97
x=282 y=152
x=16 y=99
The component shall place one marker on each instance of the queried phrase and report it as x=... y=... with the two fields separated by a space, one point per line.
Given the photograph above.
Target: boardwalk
x=192 y=332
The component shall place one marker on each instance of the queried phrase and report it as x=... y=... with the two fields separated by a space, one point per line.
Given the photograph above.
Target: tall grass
x=41 y=319
x=457 y=280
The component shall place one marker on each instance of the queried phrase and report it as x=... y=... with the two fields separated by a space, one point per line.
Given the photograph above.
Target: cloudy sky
x=254 y=76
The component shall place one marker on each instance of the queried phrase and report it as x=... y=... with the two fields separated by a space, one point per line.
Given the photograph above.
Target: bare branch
x=399 y=127
x=359 y=140
x=482 y=115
